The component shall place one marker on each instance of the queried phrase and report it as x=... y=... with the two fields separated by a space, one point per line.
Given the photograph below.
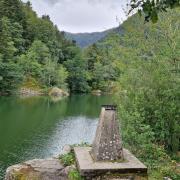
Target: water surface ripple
x=38 y=127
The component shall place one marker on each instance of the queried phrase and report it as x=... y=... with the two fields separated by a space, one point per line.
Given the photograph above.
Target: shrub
x=67 y=159
x=75 y=175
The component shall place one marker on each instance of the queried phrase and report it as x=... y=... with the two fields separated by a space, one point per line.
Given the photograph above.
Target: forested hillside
x=86 y=39
x=33 y=52
x=142 y=67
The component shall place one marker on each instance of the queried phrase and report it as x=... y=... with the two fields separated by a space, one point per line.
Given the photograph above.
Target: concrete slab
x=88 y=167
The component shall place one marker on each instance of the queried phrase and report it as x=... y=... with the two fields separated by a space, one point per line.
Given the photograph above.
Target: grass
x=67 y=159
x=75 y=175
x=165 y=169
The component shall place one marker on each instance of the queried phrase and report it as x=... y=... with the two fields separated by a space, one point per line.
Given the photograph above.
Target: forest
x=33 y=52
x=140 y=65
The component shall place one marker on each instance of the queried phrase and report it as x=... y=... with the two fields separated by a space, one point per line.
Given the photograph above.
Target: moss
x=24 y=176
x=18 y=176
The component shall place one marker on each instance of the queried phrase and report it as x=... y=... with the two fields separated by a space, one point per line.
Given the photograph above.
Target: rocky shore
x=53 y=92
x=30 y=92
x=40 y=169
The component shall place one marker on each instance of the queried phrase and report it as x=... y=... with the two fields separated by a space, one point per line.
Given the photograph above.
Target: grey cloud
x=51 y=1
x=81 y=15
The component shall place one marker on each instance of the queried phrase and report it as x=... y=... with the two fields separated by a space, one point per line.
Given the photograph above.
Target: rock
x=66 y=171
x=167 y=178
x=40 y=169
x=66 y=149
x=56 y=92
x=97 y=92
x=56 y=99
x=30 y=92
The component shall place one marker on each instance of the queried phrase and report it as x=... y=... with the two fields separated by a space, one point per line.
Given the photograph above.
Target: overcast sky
x=82 y=15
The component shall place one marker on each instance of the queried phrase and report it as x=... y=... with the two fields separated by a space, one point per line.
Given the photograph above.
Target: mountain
x=86 y=39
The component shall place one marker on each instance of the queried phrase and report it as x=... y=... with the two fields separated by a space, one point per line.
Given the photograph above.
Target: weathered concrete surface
x=107 y=144
x=38 y=169
x=127 y=177
x=89 y=168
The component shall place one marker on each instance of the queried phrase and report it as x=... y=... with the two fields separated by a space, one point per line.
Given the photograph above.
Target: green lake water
x=37 y=127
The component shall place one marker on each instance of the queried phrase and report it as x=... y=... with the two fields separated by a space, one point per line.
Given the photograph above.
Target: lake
x=38 y=127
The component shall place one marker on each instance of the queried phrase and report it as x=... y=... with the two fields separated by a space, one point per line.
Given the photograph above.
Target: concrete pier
x=107 y=157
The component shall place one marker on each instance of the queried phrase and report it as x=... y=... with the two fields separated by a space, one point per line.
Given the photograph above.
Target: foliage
x=149 y=90
x=144 y=65
x=12 y=9
x=40 y=49
x=67 y=159
x=151 y=79
x=10 y=77
x=30 y=83
x=151 y=8
x=78 y=77
x=74 y=175
x=101 y=59
x=7 y=47
x=33 y=45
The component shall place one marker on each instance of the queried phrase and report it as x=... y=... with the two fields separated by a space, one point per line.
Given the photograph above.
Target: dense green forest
x=141 y=66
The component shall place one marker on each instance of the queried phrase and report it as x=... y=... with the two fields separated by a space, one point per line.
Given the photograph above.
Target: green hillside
x=87 y=39
x=34 y=52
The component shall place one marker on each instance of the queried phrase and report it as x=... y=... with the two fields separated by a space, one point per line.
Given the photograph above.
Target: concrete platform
x=88 y=167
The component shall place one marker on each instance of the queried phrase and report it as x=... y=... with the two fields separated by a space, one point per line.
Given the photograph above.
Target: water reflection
x=36 y=127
